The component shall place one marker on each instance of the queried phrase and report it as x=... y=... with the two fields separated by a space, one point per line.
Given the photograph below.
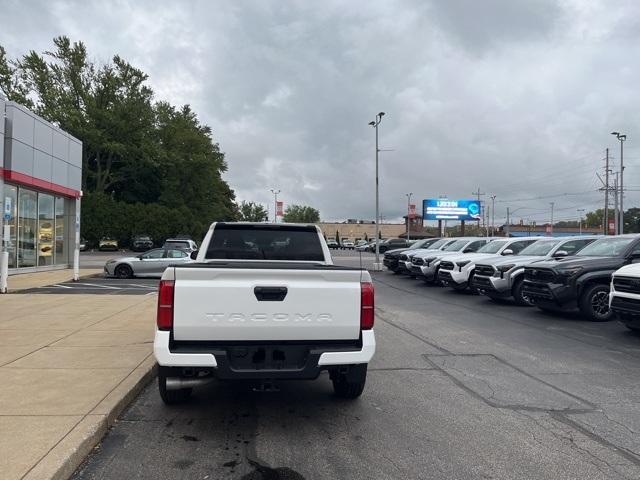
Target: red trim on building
x=22 y=179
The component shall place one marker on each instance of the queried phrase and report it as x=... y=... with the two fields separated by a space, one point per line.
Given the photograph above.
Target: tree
x=301 y=214
x=338 y=239
x=135 y=150
x=252 y=212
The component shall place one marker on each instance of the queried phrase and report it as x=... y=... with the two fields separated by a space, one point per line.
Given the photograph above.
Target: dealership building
x=40 y=190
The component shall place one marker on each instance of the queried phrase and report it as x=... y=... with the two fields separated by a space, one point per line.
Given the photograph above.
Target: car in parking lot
x=503 y=277
x=393 y=243
x=457 y=271
x=426 y=266
x=582 y=281
x=407 y=257
x=141 y=243
x=392 y=257
x=185 y=244
x=149 y=264
x=108 y=244
x=348 y=244
x=84 y=245
x=624 y=295
x=331 y=243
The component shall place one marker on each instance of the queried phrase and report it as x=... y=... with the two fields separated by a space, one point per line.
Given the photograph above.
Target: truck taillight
x=366 y=306
x=164 y=318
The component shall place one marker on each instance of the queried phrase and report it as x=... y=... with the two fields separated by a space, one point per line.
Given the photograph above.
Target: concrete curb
x=63 y=459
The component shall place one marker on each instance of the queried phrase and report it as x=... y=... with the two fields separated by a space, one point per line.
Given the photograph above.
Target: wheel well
x=593 y=281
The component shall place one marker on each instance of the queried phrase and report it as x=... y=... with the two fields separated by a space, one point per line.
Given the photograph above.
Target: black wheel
x=519 y=295
x=350 y=385
x=594 y=303
x=171 y=397
x=123 y=271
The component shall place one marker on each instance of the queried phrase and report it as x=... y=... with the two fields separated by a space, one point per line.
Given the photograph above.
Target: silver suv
x=502 y=277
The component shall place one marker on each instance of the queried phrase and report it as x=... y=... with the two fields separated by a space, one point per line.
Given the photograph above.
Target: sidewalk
x=24 y=281
x=68 y=365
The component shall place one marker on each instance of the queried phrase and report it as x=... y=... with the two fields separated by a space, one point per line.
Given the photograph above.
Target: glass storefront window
x=61 y=244
x=27 y=228
x=11 y=197
x=45 y=230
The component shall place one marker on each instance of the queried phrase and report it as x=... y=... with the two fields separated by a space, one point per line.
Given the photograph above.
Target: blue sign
x=444 y=209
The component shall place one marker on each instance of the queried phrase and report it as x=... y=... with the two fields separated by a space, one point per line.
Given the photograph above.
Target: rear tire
x=171 y=397
x=123 y=271
x=350 y=386
x=594 y=303
x=519 y=296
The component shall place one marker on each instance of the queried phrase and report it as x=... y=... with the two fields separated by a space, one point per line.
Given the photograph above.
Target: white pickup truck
x=263 y=302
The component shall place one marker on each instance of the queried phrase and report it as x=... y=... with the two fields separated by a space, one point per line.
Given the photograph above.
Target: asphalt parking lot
x=460 y=387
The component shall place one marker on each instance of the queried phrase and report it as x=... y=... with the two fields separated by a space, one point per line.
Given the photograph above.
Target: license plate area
x=267 y=357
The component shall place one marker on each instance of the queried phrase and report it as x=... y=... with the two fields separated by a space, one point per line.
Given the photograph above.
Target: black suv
x=392 y=257
x=392 y=244
x=141 y=243
x=582 y=280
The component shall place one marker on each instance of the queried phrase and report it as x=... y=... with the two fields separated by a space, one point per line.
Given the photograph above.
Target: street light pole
x=551 y=229
x=621 y=137
x=408 y=218
x=377 y=266
x=275 y=205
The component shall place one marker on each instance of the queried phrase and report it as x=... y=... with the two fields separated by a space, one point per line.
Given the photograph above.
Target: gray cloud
x=517 y=98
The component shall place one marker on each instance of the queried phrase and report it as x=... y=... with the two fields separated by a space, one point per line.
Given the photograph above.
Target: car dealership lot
x=460 y=387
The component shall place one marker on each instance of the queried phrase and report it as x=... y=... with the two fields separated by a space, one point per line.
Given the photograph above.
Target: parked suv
x=582 y=281
x=426 y=266
x=185 y=244
x=392 y=257
x=407 y=257
x=141 y=243
x=392 y=244
x=503 y=277
x=624 y=298
x=457 y=272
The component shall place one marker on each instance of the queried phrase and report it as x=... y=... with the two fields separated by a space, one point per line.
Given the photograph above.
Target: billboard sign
x=280 y=209
x=444 y=209
x=412 y=210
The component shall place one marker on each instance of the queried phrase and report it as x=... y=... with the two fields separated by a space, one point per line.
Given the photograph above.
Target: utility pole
x=606 y=195
x=493 y=215
x=508 y=220
x=275 y=205
x=615 y=205
x=580 y=210
x=478 y=194
x=408 y=215
x=552 y=205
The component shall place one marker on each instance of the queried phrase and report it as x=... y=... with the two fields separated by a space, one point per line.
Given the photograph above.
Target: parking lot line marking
x=59 y=286
x=98 y=286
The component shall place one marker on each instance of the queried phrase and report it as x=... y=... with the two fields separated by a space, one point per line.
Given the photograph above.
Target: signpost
x=6 y=237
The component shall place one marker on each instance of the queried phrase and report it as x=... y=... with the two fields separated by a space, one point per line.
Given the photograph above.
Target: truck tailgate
x=254 y=304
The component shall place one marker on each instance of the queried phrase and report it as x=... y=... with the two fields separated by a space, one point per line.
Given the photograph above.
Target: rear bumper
x=228 y=362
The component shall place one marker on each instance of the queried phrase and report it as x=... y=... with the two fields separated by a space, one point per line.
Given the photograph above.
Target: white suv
x=624 y=296
x=456 y=271
x=426 y=265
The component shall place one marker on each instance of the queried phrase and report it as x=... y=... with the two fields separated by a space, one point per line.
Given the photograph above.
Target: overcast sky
x=517 y=98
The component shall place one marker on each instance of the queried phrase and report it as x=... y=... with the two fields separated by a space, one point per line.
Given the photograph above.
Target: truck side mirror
x=507 y=251
x=194 y=255
x=561 y=253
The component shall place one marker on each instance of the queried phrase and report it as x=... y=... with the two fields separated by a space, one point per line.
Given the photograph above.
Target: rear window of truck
x=264 y=242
